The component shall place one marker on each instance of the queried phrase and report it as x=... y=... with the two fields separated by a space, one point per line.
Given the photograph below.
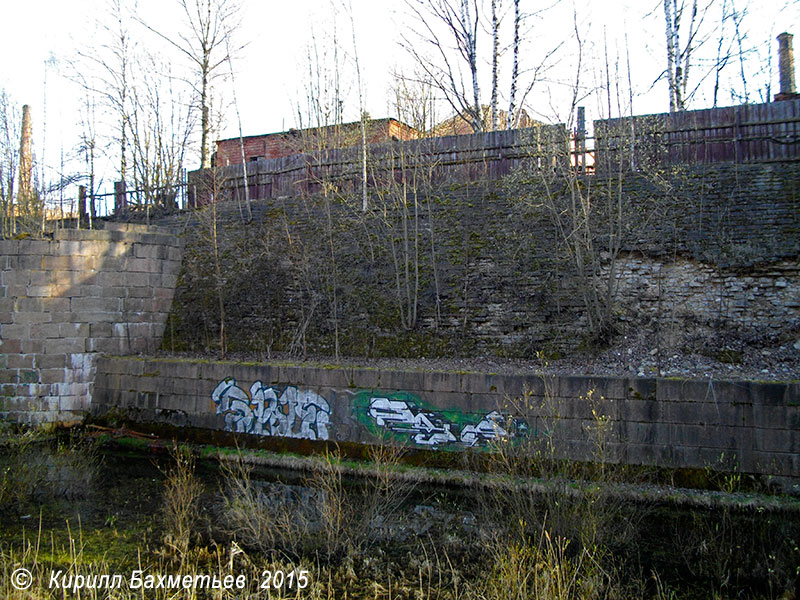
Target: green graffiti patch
x=404 y=417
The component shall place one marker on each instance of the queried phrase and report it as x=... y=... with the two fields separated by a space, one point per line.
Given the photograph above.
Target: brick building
x=299 y=141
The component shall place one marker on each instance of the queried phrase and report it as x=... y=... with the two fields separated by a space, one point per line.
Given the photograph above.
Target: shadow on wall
x=65 y=300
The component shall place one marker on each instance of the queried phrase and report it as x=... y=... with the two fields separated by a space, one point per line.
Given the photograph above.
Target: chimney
x=786 y=68
x=25 y=193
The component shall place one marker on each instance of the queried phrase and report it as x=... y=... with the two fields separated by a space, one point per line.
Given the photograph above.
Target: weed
x=182 y=491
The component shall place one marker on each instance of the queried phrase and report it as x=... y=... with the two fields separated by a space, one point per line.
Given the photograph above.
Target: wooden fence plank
x=742 y=134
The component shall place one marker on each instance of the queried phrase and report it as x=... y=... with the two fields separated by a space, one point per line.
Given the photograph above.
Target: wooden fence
x=750 y=133
x=441 y=160
x=755 y=133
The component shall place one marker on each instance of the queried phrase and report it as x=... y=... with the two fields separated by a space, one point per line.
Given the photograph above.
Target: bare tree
x=208 y=43
x=511 y=120
x=161 y=123
x=9 y=160
x=453 y=39
x=361 y=108
x=415 y=102
x=445 y=22
x=495 y=57
x=104 y=70
x=679 y=54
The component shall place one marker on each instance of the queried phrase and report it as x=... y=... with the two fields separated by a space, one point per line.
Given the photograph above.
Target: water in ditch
x=70 y=507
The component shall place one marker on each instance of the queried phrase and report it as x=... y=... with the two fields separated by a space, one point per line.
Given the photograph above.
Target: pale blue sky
x=269 y=74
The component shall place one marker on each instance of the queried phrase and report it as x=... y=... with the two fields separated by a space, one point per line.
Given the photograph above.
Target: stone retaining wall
x=66 y=299
x=708 y=262
x=735 y=426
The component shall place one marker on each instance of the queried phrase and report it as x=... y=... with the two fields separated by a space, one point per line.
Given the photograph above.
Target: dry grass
x=182 y=491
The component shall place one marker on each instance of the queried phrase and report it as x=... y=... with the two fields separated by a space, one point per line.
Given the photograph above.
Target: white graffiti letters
x=426 y=427
x=294 y=413
x=490 y=428
x=429 y=428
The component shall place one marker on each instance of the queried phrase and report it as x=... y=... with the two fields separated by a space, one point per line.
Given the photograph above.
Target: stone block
x=185 y=370
x=118 y=365
x=106 y=345
x=680 y=412
x=143 y=265
x=157 y=239
x=161 y=306
x=484 y=403
x=96 y=247
x=136 y=279
x=530 y=386
x=33 y=346
x=39 y=277
x=110 y=278
x=29 y=376
x=366 y=378
x=29 y=305
x=574 y=408
x=140 y=292
x=292 y=375
x=459 y=401
x=640 y=410
x=138 y=345
x=26 y=318
x=155 y=252
x=68 y=278
x=695 y=436
x=74 y=329
x=19 y=361
x=792 y=394
x=9 y=247
x=137 y=317
x=92 y=317
x=58 y=262
x=113 y=292
x=14 y=291
x=52 y=375
x=87 y=291
x=307 y=376
x=15 y=278
x=56 y=305
x=112 y=263
x=96 y=304
x=169 y=280
x=100 y=330
x=728 y=392
x=69 y=345
x=769 y=394
x=639 y=433
x=10 y=331
x=679 y=390
x=26 y=263
x=641 y=388
x=10 y=346
x=642 y=454
x=432 y=381
x=772 y=440
x=770 y=417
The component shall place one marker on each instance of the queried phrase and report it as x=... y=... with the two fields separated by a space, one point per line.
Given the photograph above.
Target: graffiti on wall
x=404 y=416
x=265 y=410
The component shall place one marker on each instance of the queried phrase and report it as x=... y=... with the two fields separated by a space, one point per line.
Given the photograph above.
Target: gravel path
x=629 y=357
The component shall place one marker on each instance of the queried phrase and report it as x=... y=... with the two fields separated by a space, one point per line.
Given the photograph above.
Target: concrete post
x=83 y=216
x=120 y=197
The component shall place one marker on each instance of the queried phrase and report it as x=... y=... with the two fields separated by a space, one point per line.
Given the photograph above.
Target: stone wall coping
x=643 y=388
